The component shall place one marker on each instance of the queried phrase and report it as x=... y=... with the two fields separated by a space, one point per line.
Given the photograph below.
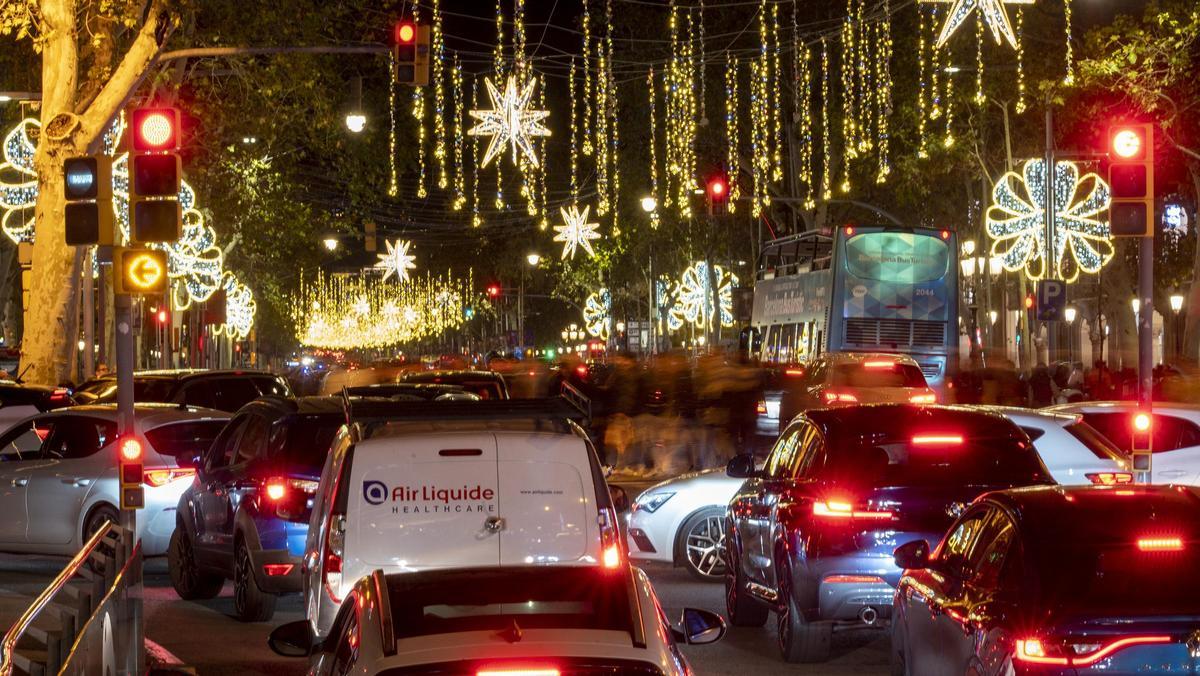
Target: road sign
x=1051 y=299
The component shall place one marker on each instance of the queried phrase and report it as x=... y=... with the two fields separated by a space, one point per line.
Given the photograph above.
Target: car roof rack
x=571 y=405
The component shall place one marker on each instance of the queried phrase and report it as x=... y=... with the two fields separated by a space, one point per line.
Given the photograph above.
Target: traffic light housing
x=493 y=291
x=412 y=53
x=155 y=176
x=139 y=271
x=129 y=461
x=717 y=192
x=1131 y=179
x=87 y=189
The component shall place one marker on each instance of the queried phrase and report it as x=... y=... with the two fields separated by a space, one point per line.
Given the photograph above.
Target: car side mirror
x=699 y=627
x=741 y=467
x=294 y=639
x=620 y=498
x=912 y=555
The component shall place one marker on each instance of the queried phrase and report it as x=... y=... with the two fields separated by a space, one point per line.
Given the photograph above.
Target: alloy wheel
x=705 y=544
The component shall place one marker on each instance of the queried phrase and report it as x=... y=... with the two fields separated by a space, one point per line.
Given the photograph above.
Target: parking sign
x=1051 y=299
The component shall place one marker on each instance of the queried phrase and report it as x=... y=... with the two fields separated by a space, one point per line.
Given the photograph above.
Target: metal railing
x=95 y=608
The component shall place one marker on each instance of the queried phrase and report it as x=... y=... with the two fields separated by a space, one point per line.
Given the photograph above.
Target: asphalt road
x=205 y=636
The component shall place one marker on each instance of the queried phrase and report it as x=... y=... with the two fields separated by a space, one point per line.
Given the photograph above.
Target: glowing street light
x=649 y=204
x=1176 y=302
x=1069 y=314
x=331 y=244
x=969 y=247
x=356 y=122
x=533 y=259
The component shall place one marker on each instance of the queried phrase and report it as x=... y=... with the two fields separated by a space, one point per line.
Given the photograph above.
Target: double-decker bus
x=873 y=288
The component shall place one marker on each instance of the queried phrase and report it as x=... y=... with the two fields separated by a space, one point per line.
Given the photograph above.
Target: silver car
x=58 y=474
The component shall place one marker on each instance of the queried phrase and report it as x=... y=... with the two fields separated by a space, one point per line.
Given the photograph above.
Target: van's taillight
x=926 y=398
x=335 y=541
x=518 y=671
x=161 y=477
x=832 y=397
x=833 y=509
x=1078 y=653
x=1110 y=478
x=879 y=364
x=1160 y=544
x=937 y=440
x=761 y=409
x=611 y=555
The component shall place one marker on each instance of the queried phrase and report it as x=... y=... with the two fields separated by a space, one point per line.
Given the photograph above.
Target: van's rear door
x=425 y=501
x=547 y=500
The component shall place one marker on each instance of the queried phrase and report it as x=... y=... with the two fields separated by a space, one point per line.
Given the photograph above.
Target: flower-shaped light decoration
x=693 y=297
x=1016 y=221
x=397 y=260
x=992 y=12
x=195 y=263
x=597 y=314
x=510 y=121
x=576 y=231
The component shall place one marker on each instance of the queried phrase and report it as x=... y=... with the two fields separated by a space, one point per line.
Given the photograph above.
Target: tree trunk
x=1191 y=309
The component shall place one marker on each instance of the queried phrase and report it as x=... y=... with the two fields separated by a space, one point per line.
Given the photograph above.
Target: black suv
x=223 y=390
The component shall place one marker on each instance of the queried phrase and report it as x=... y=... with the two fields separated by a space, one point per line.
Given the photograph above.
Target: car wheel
x=799 y=640
x=741 y=610
x=250 y=604
x=189 y=581
x=95 y=522
x=702 y=543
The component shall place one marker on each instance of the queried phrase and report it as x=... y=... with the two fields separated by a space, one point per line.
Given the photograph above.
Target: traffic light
x=493 y=291
x=718 y=195
x=139 y=271
x=155 y=175
x=1131 y=179
x=129 y=459
x=87 y=187
x=412 y=53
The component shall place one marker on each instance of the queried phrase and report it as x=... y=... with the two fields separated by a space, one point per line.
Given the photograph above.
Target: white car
x=1074 y=451
x=529 y=620
x=1175 y=429
x=414 y=486
x=682 y=521
x=58 y=474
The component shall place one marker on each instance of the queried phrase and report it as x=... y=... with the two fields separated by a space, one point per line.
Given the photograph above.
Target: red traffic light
x=717 y=188
x=1141 y=422
x=155 y=129
x=1029 y=302
x=131 y=449
x=162 y=316
x=1127 y=143
x=406 y=32
x=493 y=291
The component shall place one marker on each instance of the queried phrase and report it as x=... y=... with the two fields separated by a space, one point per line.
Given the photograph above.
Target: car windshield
x=303 y=444
x=935 y=460
x=185 y=440
x=443 y=602
x=881 y=373
x=152 y=390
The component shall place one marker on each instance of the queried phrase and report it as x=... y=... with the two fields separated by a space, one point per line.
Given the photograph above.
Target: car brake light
x=761 y=408
x=927 y=398
x=835 y=397
x=1037 y=651
x=610 y=539
x=276 y=569
x=1112 y=647
x=853 y=579
x=1110 y=478
x=581 y=370
x=937 y=440
x=1033 y=650
x=161 y=477
x=843 y=510
x=1160 y=544
x=59 y=395
x=793 y=372
x=275 y=489
x=879 y=364
x=612 y=556
x=519 y=671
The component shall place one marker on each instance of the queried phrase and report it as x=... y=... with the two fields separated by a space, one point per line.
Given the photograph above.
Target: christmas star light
x=576 y=231
x=397 y=260
x=993 y=15
x=509 y=121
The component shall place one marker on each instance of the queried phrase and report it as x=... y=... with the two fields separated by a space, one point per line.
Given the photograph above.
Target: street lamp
x=649 y=204
x=331 y=243
x=356 y=120
x=993 y=316
x=995 y=265
x=1069 y=314
x=533 y=259
x=1176 y=302
x=1136 y=304
x=968 y=267
x=968 y=247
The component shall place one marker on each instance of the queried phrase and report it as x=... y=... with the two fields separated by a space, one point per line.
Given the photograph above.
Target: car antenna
x=20 y=379
x=513 y=634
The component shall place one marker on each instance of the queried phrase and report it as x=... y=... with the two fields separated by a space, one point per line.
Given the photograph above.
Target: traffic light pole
x=1146 y=346
x=123 y=324
x=1048 y=261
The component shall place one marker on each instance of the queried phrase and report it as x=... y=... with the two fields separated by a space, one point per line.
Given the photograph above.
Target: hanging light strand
x=393 y=178
x=476 y=218
x=587 y=80
x=1020 y=105
x=613 y=119
x=437 y=71
x=574 y=158
x=948 y=110
x=862 y=83
x=826 y=178
x=498 y=69
x=543 y=218
x=848 y=62
x=1069 y=78
x=460 y=192
x=418 y=113
x=803 y=70
x=923 y=87
x=979 y=96
x=776 y=106
x=601 y=130
x=700 y=114
x=935 y=67
x=883 y=64
x=653 y=94
x=731 y=130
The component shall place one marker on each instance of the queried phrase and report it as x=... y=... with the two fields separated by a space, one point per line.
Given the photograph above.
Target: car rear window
x=935 y=460
x=868 y=374
x=145 y=390
x=304 y=444
x=185 y=439
x=542 y=597
x=1097 y=443
x=563 y=666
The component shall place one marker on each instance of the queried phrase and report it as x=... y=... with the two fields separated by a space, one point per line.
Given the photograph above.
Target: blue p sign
x=1051 y=299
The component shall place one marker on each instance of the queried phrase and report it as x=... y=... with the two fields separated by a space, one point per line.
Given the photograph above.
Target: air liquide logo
x=430 y=498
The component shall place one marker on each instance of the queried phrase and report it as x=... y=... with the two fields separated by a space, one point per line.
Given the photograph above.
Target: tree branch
x=125 y=79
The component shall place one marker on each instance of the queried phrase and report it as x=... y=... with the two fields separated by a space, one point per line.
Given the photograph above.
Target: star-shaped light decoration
x=397 y=260
x=576 y=231
x=1016 y=221
x=993 y=15
x=509 y=121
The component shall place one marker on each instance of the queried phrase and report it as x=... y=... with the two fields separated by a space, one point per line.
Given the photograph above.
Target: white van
x=419 y=486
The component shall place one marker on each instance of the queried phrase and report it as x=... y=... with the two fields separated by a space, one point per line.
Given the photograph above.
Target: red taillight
x=927 y=398
x=1110 y=478
x=162 y=477
x=834 y=509
x=1039 y=651
x=793 y=372
x=1160 y=544
x=59 y=395
x=518 y=671
x=849 y=230
x=879 y=364
x=937 y=440
x=581 y=370
x=275 y=489
x=853 y=579
x=839 y=397
x=761 y=409
x=945 y=234
x=277 y=569
x=611 y=555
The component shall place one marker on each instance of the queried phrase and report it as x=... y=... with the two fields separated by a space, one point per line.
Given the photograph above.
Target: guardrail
x=88 y=620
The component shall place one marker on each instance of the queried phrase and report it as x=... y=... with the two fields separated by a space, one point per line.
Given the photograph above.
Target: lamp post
x=1069 y=314
x=532 y=258
x=356 y=120
x=1176 y=306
